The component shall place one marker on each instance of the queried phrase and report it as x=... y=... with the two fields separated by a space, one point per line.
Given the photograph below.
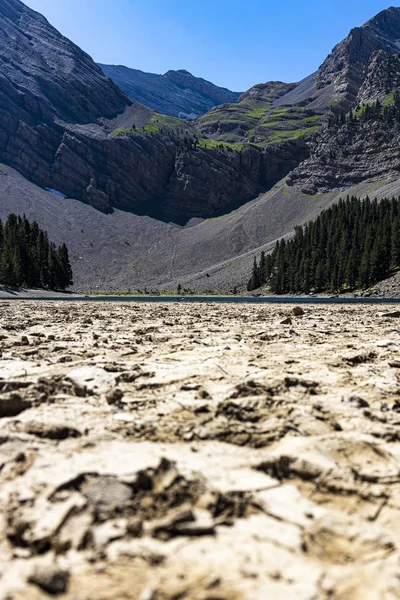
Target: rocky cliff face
x=44 y=75
x=354 y=153
x=166 y=179
x=363 y=143
x=382 y=78
x=177 y=93
x=227 y=178
x=45 y=82
x=341 y=75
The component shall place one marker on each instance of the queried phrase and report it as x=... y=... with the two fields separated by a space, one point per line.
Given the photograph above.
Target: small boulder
x=51 y=579
x=358 y=401
x=89 y=380
x=287 y=321
x=12 y=405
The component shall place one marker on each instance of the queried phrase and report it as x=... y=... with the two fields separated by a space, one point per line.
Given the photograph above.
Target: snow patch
x=56 y=192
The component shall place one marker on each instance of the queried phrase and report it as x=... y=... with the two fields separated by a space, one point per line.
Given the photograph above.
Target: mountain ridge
x=175 y=93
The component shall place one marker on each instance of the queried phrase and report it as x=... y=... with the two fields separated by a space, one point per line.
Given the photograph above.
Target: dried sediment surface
x=205 y=452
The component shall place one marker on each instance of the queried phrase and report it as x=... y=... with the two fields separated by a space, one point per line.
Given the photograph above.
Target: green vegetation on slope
x=354 y=244
x=387 y=112
x=255 y=121
x=28 y=259
x=158 y=124
x=211 y=144
x=251 y=121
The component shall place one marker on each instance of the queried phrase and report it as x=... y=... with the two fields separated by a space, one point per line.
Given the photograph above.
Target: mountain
x=362 y=69
x=341 y=75
x=346 y=68
x=138 y=183
x=362 y=142
x=176 y=93
x=66 y=126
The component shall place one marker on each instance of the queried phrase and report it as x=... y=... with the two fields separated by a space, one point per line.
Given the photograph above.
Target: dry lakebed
x=205 y=452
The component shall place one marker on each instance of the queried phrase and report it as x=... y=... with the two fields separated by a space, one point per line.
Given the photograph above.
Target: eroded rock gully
x=159 y=452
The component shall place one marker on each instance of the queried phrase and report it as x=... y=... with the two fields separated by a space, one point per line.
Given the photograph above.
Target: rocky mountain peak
x=185 y=79
x=182 y=71
x=346 y=67
x=386 y=22
x=176 y=93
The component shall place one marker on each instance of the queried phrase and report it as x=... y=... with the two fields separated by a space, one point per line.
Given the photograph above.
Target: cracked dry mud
x=205 y=452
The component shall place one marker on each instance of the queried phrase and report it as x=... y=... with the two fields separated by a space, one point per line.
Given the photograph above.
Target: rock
x=49 y=430
x=123 y=417
x=111 y=530
x=51 y=579
x=203 y=524
x=287 y=504
x=358 y=401
x=74 y=532
x=183 y=522
x=45 y=519
x=385 y=343
x=107 y=492
x=96 y=198
x=176 y=93
x=12 y=404
x=287 y=321
x=114 y=396
x=89 y=380
x=298 y=311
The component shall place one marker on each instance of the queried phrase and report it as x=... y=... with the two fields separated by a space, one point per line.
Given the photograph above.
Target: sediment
x=178 y=451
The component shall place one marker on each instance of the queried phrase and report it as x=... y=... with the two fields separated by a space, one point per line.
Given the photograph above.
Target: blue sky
x=234 y=43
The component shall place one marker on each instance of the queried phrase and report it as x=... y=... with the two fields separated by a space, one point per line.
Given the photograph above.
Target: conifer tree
x=28 y=259
x=355 y=243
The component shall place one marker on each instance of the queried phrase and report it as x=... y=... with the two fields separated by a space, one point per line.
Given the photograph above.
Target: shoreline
x=57 y=297
x=37 y=294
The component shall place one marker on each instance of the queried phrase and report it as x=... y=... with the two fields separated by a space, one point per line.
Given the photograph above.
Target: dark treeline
x=28 y=259
x=388 y=113
x=354 y=244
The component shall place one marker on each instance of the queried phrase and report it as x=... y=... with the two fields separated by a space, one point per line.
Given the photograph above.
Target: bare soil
x=199 y=452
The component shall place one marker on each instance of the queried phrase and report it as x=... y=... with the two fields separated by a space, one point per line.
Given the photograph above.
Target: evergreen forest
x=352 y=245
x=28 y=259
